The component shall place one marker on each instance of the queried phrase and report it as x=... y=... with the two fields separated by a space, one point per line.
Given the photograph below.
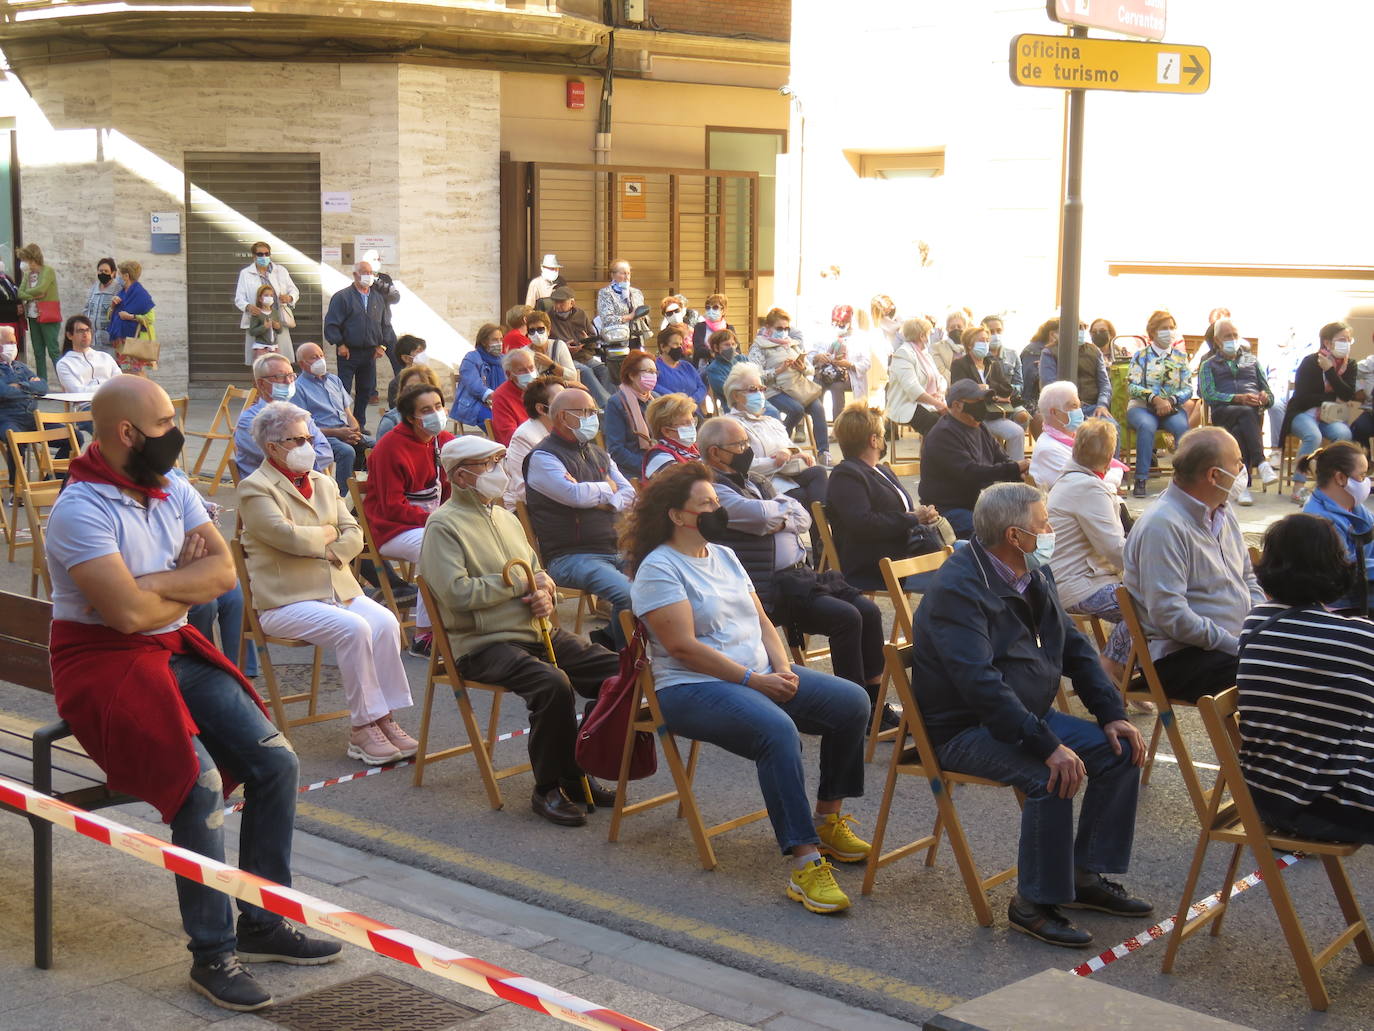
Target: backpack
x=601 y=738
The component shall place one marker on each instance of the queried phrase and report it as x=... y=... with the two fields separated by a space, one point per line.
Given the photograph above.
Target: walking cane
x=545 y=632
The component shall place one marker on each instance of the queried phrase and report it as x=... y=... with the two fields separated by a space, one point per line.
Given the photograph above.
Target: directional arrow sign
x=1071 y=62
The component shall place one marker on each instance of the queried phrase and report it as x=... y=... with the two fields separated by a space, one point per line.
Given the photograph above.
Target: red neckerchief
x=682 y=452
x=1337 y=363
x=92 y=467
x=301 y=483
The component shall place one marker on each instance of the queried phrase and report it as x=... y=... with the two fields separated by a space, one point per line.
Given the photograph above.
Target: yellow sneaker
x=815 y=888
x=841 y=843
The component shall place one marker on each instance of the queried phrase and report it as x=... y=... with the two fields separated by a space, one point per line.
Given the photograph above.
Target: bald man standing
x=157 y=706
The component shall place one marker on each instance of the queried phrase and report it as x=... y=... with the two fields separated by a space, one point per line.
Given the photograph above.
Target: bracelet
x=747 y=674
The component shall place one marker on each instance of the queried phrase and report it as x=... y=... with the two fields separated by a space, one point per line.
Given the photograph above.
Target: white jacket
x=249 y=281
x=907 y=380
x=1084 y=511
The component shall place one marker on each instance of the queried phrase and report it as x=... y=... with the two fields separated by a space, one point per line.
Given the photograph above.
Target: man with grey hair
x=355 y=325
x=1232 y=384
x=275 y=381
x=991 y=644
x=322 y=394
x=1188 y=569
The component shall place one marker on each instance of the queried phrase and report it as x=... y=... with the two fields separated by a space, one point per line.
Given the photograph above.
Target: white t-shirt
x=723 y=613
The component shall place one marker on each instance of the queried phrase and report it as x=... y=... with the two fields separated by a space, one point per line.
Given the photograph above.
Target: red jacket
x=398 y=465
x=119 y=695
x=507 y=411
x=514 y=338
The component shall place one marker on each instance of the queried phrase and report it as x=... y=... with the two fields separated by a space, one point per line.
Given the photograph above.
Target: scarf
x=682 y=452
x=714 y=327
x=1338 y=365
x=935 y=383
x=635 y=416
x=92 y=467
x=301 y=482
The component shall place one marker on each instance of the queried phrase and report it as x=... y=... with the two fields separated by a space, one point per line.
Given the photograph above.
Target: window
x=750 y=150
x=895 y=164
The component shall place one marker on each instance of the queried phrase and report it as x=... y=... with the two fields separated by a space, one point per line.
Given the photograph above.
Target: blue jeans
x=235 y=734
x=345 y=458
x=599 y=575
x=1049 y=850
x=227 y=611
x=747 y=723
x=359 y=366
x=1310 y=430
x=1146 y=424
x=792 y=411
x=961 y=519
x=21 y=422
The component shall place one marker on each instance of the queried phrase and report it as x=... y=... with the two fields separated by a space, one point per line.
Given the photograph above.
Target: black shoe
x=554 y=806
x=282 y=943
x=421 y=646
x=1108 y=897
x=602 y=796
x=890 y=719
x=1139 y=491
x=405 y=594
x=1046 y=923
x=225 y=983
x=603 y=637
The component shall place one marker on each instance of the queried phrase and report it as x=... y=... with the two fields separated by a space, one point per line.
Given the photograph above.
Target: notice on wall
x=383 y=244
x=331 y=255
x=165 y=227
x=337 y=202
x=632 y=200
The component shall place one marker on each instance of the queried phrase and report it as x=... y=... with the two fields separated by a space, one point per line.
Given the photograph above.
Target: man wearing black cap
x=959 y=457
x=570 y=324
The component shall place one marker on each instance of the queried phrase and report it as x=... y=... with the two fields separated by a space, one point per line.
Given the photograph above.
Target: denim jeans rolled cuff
x=749 y=724
x=235 y=734
x=600 y=575
x=1049 y=850
x=1311 y=431
x=1146 y=425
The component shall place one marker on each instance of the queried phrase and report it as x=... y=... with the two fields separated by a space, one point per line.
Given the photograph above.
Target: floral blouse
x=1167 y=375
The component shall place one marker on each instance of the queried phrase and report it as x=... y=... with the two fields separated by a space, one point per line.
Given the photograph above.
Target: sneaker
x=405 y=594
x=283 y=943
x=420 y=647
x=840 y=842
x=814 y=887
x=1245 y=498
x=370 y=745
x=1046 y=923
x=1267 y=474
x=1139 y=491
x=392 y=731
x=225 y=983
x=1108 y=897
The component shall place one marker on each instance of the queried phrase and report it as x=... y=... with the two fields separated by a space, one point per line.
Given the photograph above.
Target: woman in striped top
x=1306 y=680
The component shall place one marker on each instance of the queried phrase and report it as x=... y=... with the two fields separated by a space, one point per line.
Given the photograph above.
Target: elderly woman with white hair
x=298 y=540
x=771 y=454
x=1053 y=453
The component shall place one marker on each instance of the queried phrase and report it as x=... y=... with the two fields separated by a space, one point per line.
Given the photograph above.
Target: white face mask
x=492 y=484
x=318 y=367
x=1164 y=338
x=266 y=303
x=1340 y=348
x=686 y=435
x=9 y=352
x=549 y=274
x=367 y=279
x=1359 y=489
x=1237 y=485
x=300 y=459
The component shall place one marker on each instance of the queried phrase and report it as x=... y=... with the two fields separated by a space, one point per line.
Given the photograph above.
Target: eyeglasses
x=262 y=254
x=281 y=377
x=296 y=441
x=735 y=448
x=582 y=413
x=485 y=465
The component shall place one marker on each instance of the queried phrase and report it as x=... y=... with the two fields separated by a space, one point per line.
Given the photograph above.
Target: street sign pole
x=1072 y=251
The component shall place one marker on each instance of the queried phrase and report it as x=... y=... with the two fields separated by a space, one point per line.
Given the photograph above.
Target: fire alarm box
x=577 y=94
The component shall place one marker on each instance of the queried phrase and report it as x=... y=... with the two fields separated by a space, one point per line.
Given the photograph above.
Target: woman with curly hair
x=722 y=676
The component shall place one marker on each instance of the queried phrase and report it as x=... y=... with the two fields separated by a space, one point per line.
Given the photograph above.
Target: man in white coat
x=263 y=271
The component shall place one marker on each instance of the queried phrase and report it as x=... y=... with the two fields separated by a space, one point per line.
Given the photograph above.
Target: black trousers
x=923 y=420
x=855 y=630
x=1190 y=673
x=548 y=694
x=1242 y=422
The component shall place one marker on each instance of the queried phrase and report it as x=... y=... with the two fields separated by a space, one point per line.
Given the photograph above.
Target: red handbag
x=49 y=311
x=601 y=740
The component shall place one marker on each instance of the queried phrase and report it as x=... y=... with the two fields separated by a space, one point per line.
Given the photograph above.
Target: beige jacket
x=283 y=540
x=1085 y=513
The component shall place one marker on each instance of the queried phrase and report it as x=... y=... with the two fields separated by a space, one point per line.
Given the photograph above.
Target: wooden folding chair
x=921 y=761
x=585 y=601
x=1089 y=626
x=442 y=666
x=648 y=715
x=1166 y=719
x=182 y=407
x=39 y=497
x=254 y=634
x=1288 y=462
x=221 y=429
x=357 y=490
x=68 y=421
x=1238 y=823
x=19 y=440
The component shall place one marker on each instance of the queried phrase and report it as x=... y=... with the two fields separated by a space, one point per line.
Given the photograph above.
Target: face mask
x=266 y=303
x=149 y=462
x=586 y=429
x=301 y=458
x=1164 y=338
x=1237 y=485
x=1075 y=417
x=675 y=354
x=524 y=379
x=104 y=278
x=976 y=410
x=1100 y=338
x=1359 y=489
x=995 y=342
x=712 y=524
x=980 y=349
x=549 y=274
x=674 y=316
x=492 y=483
x=1228 y=348
x=367 y=280
x=1340 y=348
x=494 y=347
x=432 y=423
x=262 y=260
x=753 y=402
x=779 y=334
x=537 y=335
x=283 y=391
x=647 y=381
x=1044 y=550
x=620 y=287
x=727 y=354
x=318 y=367
x=741 y=462
x=1082 y=336
x=686 y=435
x=9 y=352
x=714 y=314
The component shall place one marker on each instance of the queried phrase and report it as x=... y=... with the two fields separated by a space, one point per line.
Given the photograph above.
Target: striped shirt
x=1307 y=715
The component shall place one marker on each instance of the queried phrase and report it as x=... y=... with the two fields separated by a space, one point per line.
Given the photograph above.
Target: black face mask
x=1100 y=338
x=727 y=354
x=149 y=463
x=104 y=277
x=712 y=524
x=741 y=462
x=675 y=353
x=976 y=410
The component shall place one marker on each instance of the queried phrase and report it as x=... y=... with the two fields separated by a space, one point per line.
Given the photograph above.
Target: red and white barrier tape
x=1160 y=930
x=354 y=928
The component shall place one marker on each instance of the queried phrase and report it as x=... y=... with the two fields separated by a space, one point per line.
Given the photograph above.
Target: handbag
x=142 y=345
x=925 y=538
x=796 y=386
x=288 y=317
x=49 y=311
x=1340 y=411
x=601 y=738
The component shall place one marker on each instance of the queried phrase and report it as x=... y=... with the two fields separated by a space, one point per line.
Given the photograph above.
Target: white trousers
x=406 y=547
x=367 y=644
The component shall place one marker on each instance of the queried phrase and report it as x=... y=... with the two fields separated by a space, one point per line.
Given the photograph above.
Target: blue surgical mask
x=980 y=349
x=995 y=342
x=780 y=334
x=586 y=429
x=1164 y=338
x=620 y=288
x=432 y=423
x=262 y=260
x=1044 y=550
x=1228 y=348
x=713 y=314
x=283 y=391
x=1075 y=417
x=753 y=402
x=524 y=379
x=1082 y=336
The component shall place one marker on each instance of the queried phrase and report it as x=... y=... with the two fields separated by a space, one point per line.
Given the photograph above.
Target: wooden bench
x=24 y=624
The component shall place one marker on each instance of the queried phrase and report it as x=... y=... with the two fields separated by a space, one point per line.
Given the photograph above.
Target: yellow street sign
x=1073 y=62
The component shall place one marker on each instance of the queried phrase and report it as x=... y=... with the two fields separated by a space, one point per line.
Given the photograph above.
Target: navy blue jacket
x=349 y=323
x=987 y=656
x=20 y=388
